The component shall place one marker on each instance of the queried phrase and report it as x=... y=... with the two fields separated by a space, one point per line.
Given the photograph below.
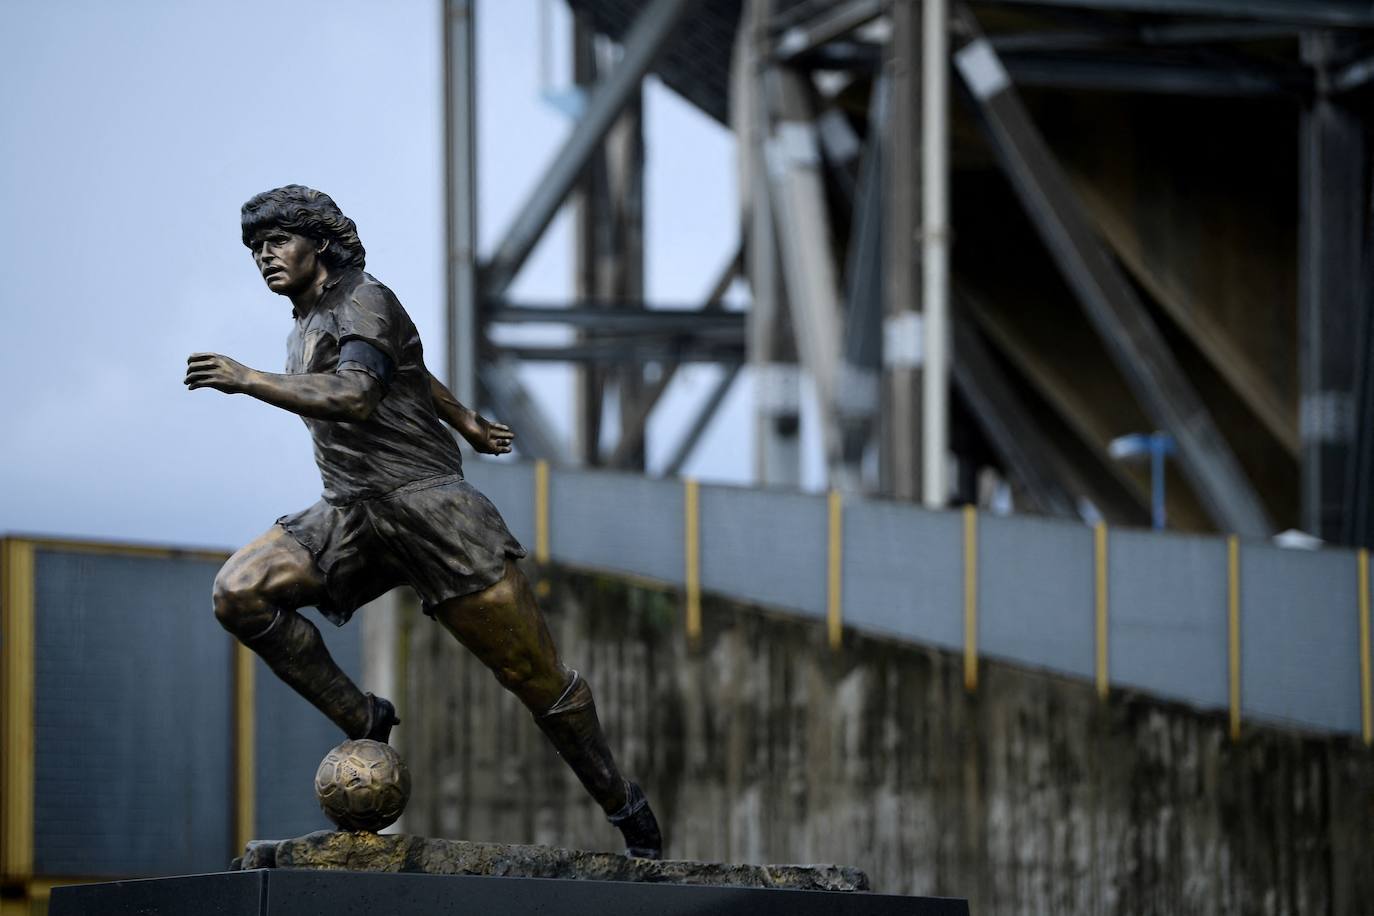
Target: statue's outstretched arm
x=349 y=395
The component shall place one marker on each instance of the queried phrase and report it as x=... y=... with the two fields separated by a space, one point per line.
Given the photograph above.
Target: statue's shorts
x=440 y=536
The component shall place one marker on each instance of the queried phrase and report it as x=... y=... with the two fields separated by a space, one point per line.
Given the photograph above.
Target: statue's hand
x=485 y=436
x=210 y=370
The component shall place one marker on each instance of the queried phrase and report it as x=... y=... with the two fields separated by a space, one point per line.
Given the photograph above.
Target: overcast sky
x=130 y=135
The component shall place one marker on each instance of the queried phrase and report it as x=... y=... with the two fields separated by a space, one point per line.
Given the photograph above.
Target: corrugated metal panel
x=767 y=547
x=1167 y=600
x=1300 y=645
x=903 y=572
x=1035 y=593
x=132 y=716
x=619 y=522
x=292 y=737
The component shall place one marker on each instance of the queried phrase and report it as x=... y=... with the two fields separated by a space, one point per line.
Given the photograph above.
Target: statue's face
x=289 y=263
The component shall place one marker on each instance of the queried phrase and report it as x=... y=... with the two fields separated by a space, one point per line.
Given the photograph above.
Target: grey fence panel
x=903 y=572
x=132 y=716
x=509 y=485
x=292 y=737
x=619 y=522
x=1167 y=612
x=765 y=546
x=1035 y=593
x=903 y=576
x=1300 y=638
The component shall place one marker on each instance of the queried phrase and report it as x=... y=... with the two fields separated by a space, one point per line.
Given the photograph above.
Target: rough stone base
x=398 y=853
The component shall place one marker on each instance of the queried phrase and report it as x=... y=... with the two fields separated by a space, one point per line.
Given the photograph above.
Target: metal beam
x=935 y=232
x=591 y=214
x=1122 y=71
x=634 y=428
x=701 y=421
x=647 y=37
x=1339 y=13
x=460 y=172
x=772 y=355
x=901 y=392
x=802 y=224
x=1331 y=239
x=1028 y=454
x=1108 y=299
x=1081 y=435
x=860 y=375
x=627 y=351
x=830 y=23
x=1162 y=35
x=1358 y=530
x=1184 y=306
x=615 y=318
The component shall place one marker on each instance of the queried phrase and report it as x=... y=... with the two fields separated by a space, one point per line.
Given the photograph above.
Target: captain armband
x=359 y=354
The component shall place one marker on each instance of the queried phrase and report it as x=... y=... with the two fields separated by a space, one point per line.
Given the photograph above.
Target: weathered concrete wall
x=761 y=745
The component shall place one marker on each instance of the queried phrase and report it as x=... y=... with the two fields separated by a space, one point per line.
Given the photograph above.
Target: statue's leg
x=256 y=595
x=503 y=626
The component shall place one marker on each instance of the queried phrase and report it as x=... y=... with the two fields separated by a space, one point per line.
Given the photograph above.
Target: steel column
x=591 y=213
x=902 y=325
x=772 y=358
x=1331 y=235
x=460 y=162
x=935 y=251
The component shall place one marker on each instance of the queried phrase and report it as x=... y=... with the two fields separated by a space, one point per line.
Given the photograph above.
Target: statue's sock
x=293 y=648
x=571 y=724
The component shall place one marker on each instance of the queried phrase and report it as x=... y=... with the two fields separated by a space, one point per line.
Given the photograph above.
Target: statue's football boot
x=382 y=718
x=638 y=825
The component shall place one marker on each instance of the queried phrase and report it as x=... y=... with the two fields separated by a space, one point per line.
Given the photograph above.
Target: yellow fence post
x=16 y=754
x=970 y=598
x=1366 y=700
x=834 y=569
x=691 y=500
x=1100 y=605
x=245 y=747
x=541 y=511
x=1233 y=629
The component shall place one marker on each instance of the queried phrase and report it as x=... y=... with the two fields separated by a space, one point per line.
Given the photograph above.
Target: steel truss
x=849 y=153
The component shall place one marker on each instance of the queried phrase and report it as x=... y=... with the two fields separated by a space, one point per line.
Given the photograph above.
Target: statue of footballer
x=395 y=508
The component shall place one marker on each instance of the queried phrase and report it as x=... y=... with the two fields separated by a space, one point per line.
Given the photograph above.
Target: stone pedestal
x=399 y=853
x=343 y=874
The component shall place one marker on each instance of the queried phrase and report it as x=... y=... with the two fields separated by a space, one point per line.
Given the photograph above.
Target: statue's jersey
x=403 y=441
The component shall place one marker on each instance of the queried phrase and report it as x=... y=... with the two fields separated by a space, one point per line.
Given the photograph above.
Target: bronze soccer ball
x=362 y=785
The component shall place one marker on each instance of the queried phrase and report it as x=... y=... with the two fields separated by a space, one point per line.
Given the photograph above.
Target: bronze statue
x=395 y=509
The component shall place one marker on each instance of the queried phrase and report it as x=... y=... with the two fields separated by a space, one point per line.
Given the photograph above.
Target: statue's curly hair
x=307 y=212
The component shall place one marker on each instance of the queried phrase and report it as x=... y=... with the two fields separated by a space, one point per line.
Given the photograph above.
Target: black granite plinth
x=333 y=893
